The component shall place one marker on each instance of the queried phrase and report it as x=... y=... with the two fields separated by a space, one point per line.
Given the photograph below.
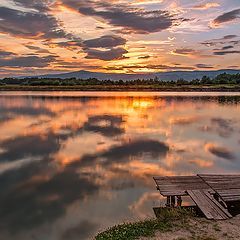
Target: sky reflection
x=72 y=165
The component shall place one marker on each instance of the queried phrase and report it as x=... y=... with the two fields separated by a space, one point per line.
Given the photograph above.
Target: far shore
x=117 y=88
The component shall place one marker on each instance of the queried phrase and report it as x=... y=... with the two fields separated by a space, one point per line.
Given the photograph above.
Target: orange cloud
x=206 y=6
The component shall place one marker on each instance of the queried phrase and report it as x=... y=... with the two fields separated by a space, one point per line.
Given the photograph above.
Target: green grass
x=147 y=228
x=133 y=231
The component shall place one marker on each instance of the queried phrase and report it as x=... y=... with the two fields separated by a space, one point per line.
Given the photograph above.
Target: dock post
x=172 y=201
x=168 y=201
x=179 y=201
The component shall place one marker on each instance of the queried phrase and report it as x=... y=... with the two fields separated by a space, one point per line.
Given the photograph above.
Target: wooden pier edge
x=204 y=189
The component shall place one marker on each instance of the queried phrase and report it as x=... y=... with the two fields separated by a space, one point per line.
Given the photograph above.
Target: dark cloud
x=25 y=111
x=106 y=55
x=30 y=24
x=107 y=41
x=34 y=146
x=26 y=203
x=5 y=53
x=225 y=127
x=144 y=57
x=221 y=53
x=231 y=36
x=184 y=51
x=227 y=47
x=75 y=44
x=221 y=152
x=224 y=48
x=225 y=39
x=227 y=17
x=124 y=152
x=27 y=61
x=106 y=125
x=42 y=5
x=136 y=148
x=105 y=48
x=37 y=49
x=134 y=20
x=207 y=66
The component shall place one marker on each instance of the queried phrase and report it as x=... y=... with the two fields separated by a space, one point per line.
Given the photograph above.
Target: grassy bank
x=158 y=88
x=174 y=224
x=164 y=223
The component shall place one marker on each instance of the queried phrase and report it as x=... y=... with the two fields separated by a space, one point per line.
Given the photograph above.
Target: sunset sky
x=122 y=36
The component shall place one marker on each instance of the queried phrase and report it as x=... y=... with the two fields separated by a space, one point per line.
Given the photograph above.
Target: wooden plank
x=177 y=185
x=218 y=204
x=209 y=206
x=226 y=186
x=231 y=199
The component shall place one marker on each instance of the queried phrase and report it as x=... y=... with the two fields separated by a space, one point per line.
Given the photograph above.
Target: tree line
x=223 y=78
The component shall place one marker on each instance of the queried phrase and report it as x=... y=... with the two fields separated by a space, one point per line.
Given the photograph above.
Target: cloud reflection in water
x=78 y=164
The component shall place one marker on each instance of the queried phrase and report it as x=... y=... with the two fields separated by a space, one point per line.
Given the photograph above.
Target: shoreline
x=120 y=89
x=184 y=228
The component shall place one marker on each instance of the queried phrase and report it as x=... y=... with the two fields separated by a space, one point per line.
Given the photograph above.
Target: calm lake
x=72 y=164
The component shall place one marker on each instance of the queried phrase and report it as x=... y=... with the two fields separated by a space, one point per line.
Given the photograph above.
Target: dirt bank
x=201 y=229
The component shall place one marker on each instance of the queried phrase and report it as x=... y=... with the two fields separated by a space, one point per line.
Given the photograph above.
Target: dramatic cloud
x=75 y=44
x=221 y=53
x=229 y=36
x=144 y=57
x=126 y=151
x=227 y=17
x=223 y=40
x=219 y=151
x=138 y=36
x=29 y=24
x=134 y=20
x=206 y=66
x=136 y=148
x=43 y=200
x=37 y=49
x=186 y=52
x=25 y=111
x=106 y=55
x=27 y=61
x=224 y=127
x=5 y=54
x=106 y=125
x=227 y=47
x=107 y=41
x=18 y=148
x=105 y=48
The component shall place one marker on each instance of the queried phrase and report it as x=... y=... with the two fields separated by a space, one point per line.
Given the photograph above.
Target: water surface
x=72 y=164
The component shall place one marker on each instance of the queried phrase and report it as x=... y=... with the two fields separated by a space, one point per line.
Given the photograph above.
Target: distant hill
x=165 y=76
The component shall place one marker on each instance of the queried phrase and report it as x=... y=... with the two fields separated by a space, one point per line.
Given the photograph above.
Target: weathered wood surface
x=178 y=185
x=226 y=186
x=208 y=205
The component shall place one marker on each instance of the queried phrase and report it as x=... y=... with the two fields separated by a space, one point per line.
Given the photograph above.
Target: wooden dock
x=211 y=193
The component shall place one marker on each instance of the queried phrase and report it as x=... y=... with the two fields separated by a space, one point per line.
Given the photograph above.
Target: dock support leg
x=179 y=201
x=168 y=202
x=172 y=201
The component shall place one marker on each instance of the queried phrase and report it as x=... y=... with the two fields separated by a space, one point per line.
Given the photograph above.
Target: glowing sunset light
x=140 y=36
